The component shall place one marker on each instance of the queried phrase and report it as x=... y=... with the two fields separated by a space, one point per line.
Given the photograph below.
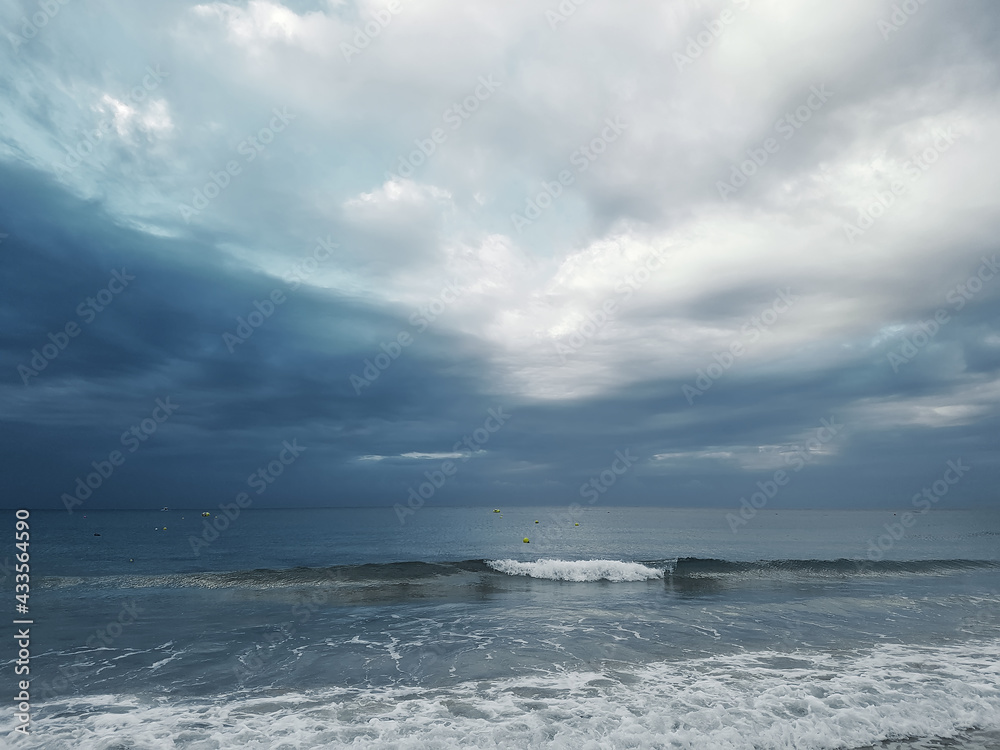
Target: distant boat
x=164 y=508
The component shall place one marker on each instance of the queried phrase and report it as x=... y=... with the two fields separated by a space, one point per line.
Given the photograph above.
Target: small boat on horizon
x=164 y=508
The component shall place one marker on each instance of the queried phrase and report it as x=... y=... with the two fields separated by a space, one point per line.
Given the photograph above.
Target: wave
x=578 y=570
x=912 y=696
x=415 y=574
x=698 y=567
x=337 y=575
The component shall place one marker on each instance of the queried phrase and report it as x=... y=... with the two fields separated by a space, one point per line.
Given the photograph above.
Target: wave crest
x=578 y=570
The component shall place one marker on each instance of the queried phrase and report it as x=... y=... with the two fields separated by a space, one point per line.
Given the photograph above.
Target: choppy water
x=639 y=628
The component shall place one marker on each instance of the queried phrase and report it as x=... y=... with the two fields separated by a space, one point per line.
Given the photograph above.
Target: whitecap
x=578 y=570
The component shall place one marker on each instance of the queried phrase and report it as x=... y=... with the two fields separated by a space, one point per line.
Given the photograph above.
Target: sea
x=512 y=627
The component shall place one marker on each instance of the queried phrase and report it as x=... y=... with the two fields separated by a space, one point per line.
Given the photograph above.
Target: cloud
x=802 y=185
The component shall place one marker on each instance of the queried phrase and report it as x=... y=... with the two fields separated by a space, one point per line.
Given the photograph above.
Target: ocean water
x=639 y=628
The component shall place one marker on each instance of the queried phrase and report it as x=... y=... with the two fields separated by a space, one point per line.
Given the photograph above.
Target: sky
x=417 y=252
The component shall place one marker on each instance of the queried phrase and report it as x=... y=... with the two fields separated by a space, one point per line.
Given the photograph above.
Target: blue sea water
x=638 y=628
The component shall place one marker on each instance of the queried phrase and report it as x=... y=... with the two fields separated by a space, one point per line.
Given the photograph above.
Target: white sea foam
x=752 y=701
x=578 y=570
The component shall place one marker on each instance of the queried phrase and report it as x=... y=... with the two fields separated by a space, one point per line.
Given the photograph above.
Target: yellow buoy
x=536 y=521
x=526 y=540
x=576 y=524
